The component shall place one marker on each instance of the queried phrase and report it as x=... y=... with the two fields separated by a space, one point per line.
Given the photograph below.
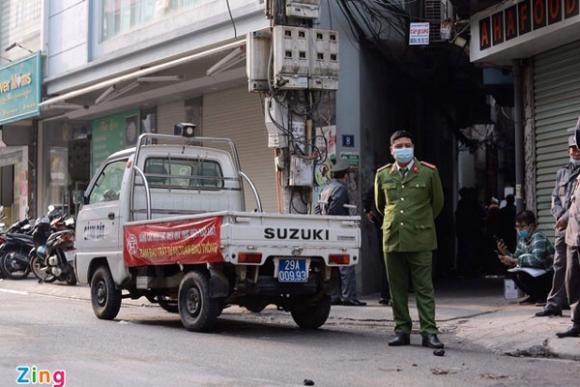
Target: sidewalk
x=474 y=313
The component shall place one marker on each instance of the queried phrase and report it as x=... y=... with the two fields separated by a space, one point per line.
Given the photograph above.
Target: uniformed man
x=332 y=202
x=565 y=182
x=572 y=280
x=409 y=194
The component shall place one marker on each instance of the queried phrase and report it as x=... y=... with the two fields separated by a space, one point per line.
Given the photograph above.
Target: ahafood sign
x=516 y=23
x=20 y=89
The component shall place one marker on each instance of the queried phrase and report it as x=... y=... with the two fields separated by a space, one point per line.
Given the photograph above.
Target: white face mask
x=575 y=162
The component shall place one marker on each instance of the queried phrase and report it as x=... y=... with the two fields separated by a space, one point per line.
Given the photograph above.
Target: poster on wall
x=111 y=134
x=58 y=166
x=326 y=149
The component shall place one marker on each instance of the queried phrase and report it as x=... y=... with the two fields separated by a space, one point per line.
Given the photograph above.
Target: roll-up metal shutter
x=237 y=114
x=556 y=109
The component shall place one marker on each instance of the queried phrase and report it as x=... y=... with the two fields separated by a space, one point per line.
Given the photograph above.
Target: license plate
x=292 y=270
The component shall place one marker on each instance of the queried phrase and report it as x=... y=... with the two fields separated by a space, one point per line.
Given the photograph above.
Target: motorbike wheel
x=15 y=265
x=40 y=270
x=71 y=278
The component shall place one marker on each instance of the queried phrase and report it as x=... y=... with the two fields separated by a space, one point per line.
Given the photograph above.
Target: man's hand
x=371 y=217
x=501 y=247
x=507 y=260
x=562 y=223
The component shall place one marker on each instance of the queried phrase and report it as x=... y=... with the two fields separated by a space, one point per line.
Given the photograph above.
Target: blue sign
x=348 y=140
x=20 y=89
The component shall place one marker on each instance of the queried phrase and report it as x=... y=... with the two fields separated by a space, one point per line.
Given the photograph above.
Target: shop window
x=108 y=185
x=121 y=16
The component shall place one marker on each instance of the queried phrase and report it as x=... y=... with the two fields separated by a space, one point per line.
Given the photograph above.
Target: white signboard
x=419 y=34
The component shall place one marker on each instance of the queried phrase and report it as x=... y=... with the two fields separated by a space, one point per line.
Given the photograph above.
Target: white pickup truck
x=166 y=220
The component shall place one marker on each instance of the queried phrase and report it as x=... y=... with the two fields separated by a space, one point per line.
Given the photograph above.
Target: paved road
x=146 y=346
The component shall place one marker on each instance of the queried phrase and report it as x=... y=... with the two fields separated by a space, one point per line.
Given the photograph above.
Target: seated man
x=531 y=264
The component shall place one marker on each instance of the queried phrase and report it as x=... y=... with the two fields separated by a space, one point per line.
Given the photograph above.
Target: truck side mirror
x=85 y=198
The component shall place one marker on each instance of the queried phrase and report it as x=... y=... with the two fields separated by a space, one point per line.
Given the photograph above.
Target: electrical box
x=276 y=115
x=324 y=62
x=291 y=57
x=303 y=9
x=258 y=48
x=301 y=172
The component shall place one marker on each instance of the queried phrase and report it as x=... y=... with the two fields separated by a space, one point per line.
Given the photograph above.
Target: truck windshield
x=183 y=173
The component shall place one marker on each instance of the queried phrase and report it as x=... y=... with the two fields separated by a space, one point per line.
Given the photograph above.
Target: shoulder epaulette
x=428 y=165
x=385 y=167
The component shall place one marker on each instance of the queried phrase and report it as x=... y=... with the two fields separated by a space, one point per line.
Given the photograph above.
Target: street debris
x=493 y=377
x=441 y=371
x=308 y=382
x=439 y=352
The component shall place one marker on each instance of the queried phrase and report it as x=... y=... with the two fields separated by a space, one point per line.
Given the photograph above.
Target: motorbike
x=14 y=249
x=52 y=260
x=16 y=244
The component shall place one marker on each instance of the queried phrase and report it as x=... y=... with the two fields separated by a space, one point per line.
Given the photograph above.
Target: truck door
x=98 y=223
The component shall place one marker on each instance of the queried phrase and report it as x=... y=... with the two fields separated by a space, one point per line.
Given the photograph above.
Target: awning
x=239 y=44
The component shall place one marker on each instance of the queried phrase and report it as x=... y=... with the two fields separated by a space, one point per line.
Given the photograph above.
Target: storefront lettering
x=520 y=19
x=15 y=82
x=511 y=22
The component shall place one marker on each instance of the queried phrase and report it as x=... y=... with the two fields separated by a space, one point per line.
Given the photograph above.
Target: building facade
x=541 y=39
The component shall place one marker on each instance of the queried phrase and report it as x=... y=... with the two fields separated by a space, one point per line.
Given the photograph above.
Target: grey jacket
x=332 y=199
x=563 y=190
x=573 y=214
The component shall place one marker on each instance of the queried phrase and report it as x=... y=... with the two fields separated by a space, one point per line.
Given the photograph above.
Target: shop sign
x=419 y=34
x=111 y=134
x=523 y=17
x=20 y=89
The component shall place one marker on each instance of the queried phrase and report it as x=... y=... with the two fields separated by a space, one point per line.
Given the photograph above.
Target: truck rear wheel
x=311 y=315
x=198 y=311
x=105 y=296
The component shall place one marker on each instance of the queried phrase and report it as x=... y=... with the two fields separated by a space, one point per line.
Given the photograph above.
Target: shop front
x=542 y=39
x=107 y=121
x=20 y=92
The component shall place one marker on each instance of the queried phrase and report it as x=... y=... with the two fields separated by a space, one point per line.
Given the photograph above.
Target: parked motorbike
x=16 y=244
x=53 y=260
x=14 y=249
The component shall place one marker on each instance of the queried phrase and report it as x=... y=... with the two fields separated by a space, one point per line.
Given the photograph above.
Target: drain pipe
x=519 y=134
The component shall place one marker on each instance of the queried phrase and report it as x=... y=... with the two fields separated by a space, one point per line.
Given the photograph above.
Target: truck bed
x=221 y=236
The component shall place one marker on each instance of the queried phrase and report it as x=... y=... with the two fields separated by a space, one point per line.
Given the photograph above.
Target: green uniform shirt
x=410 y=205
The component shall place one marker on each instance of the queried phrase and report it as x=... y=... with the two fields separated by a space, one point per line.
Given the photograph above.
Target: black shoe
x=549 y=312
x=432 y=341
x=574 y=331
x=400 y=339
x=385 y=301
x=336 y=302
x=566 y=307
x=353 y=302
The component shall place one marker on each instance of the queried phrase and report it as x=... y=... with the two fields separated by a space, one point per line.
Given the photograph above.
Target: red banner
x=185 y=242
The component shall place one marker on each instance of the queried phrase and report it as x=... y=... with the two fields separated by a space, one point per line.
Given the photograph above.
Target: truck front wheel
x=105 y=296
x=198 y=311
x=312 y=315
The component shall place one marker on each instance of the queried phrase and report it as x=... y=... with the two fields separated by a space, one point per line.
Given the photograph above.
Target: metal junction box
x=304 y=9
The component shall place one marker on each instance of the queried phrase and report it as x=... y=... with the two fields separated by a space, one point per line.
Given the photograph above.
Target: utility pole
x=295 y=69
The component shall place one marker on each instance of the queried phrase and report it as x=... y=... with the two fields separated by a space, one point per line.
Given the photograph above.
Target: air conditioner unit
x=437 y=13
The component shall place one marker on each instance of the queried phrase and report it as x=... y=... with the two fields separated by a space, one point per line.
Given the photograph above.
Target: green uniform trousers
x=399 y=265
